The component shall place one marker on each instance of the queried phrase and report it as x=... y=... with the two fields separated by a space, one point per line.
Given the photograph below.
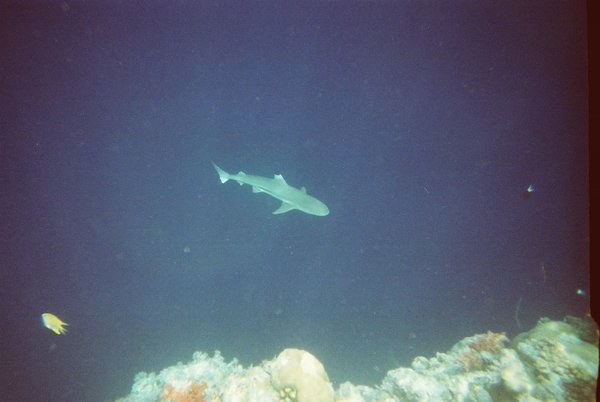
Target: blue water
x=420 y=125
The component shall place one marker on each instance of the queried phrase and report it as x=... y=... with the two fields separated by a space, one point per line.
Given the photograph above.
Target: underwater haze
x=448 y=141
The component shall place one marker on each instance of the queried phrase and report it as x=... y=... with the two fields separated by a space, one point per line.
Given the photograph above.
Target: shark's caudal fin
x=223 y=175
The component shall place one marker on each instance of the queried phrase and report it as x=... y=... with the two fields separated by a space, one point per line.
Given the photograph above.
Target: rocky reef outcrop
x=556 y=360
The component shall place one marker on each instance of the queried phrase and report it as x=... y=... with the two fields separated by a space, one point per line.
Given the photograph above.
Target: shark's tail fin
x=223 y=175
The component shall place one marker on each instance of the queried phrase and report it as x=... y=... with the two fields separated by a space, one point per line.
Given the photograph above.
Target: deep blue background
x=420 y=125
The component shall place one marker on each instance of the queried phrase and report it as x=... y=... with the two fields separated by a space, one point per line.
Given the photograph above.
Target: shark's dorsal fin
x=279 y=178
x=283 y=208
x=303 y=189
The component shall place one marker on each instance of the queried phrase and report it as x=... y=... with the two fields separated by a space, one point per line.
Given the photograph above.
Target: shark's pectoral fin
x=283 y=208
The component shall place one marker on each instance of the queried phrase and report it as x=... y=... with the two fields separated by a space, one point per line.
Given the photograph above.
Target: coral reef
x=303 y=374
x=193 y=393
x=564 y=366
x=480 y=350
x=556 y=360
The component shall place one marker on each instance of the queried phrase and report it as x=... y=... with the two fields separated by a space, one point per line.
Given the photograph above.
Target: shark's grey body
x=290 y=197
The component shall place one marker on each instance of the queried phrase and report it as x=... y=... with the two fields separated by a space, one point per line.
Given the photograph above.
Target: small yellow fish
x=54 y=323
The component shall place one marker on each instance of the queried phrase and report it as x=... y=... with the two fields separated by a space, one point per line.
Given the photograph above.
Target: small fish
x=54 y=323
x=529 y=191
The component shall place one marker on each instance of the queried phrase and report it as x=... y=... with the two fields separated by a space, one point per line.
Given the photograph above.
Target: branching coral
x=193 y=393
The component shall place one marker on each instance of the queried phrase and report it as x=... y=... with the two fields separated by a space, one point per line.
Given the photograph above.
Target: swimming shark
x=291 y=198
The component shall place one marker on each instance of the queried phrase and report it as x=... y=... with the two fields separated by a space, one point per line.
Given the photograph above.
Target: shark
x=291 y=198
